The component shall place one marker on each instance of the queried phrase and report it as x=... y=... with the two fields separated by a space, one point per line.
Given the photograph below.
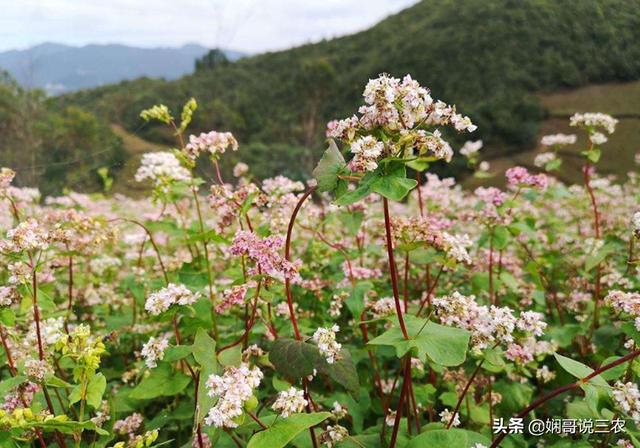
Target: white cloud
x=248 y=25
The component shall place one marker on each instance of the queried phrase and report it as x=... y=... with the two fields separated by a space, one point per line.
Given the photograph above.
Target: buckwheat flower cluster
x=456 y=246
x=129 y=425
x=544 y=158
x=558 y=140
x=7 y=295
x=37 y=369
x=520 y=177
x=366 y=152
x=629 y=302
x=598 y=138
x=215 y=143
x=360 y=272
x=280 y=186
x=264 y=253
x=240 y=169
x=161 y=168
x=20 y=396
x=231 y=297
x=492 y=325
x=325 y=339
x=232 y=388
x=635 y=224
x=399 y=107
x=289 y=402
x=153 y=351
x=383 y=307
x=490 y=195
x=173 y=294
x=333 y=435
x=627 y=397
x=27 y=236
x=447 y=415
x=593 y=120
x=471 y=148
x=6 y=177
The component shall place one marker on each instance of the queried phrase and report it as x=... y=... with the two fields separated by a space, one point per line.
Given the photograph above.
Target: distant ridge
x=59 y=68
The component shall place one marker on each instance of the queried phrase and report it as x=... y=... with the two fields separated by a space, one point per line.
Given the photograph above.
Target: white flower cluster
x=161 y=168
x=627 y=397
x=153 y=351
x=489 y=325
x=289 y=402
x=233 y=388
x=7 y=295
x=544 y=158
x=592 y=120
x=401 y=106
x=470 y=149
x=37 y=369
x=558 y=140
x=6 y=177
x=213 y=142
x=333 y=435
x=366 y=152
x=635 y=224
x=447 y=415
x=629 y=302
x=456 y=246
x=325 y=339
x=160 y=301
x=598 y=138
x=26 y=236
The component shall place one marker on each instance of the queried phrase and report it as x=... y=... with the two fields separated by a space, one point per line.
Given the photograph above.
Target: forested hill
x=487 y=56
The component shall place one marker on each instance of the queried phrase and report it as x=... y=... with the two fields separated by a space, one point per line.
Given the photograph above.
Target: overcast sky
x=248 y=25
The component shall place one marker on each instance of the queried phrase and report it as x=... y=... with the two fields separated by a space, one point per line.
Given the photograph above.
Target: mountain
x=60 y=68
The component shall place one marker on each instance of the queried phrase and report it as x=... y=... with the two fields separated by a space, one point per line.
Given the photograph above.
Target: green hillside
x=490 y=57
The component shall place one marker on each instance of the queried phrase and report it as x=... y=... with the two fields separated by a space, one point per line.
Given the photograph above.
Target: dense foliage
x=365 y=309
x=488 y=57
x=50 y=147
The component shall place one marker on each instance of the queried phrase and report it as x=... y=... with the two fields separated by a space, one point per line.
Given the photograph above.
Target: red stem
x=287 y=256
x=392 y=268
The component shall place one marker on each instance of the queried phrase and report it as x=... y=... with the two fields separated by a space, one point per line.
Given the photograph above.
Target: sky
x=251 y=26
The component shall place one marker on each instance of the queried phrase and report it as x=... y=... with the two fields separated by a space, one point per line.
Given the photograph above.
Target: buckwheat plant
x=375 y=305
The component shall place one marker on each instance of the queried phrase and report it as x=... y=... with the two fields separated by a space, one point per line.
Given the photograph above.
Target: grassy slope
x=618 y=99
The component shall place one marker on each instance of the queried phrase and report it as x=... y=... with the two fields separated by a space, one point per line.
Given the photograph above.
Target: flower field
x=375 y=305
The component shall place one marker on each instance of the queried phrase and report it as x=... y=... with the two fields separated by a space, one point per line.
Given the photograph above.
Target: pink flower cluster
x=213 y=142
x=519 y=176
x=230 y=297
x=264 y=253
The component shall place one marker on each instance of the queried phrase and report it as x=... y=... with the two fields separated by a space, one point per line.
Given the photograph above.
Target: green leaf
x=204 y=352
x=580 y=371
x=8 y=384
x=95 y=390
x=54 y=381
x=285 y=430
x=393 y=187
x=7 y=317
x=355 y=301
x=451 y=438
x=446 y=346
x=177 y=352
x=162 y=382
x=231 y=356
x=500 y=237
x=595 y=259
x=298 y=359
x=326 y=172
x=616 y=372
x=354 y=196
